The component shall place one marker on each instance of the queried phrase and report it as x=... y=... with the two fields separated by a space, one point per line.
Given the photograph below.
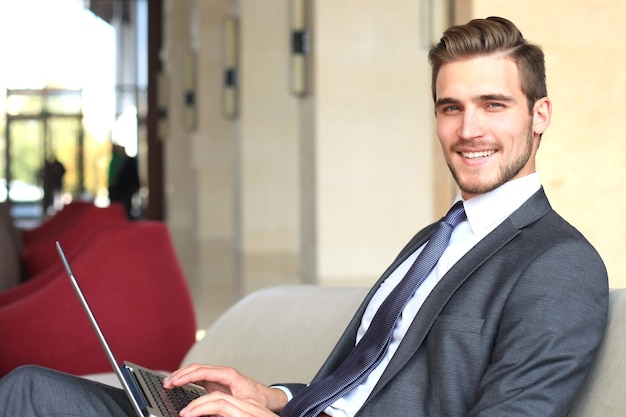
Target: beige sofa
x=284 y=333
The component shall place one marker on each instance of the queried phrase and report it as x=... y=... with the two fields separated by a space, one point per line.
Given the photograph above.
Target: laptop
x=143 y=386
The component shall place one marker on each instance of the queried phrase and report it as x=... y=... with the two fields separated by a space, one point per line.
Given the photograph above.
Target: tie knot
x=456 y=214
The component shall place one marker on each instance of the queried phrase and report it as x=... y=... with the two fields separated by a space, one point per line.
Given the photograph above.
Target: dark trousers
x=34 y=391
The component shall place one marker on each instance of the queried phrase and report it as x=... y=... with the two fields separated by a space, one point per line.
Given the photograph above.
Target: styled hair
x=489 y=36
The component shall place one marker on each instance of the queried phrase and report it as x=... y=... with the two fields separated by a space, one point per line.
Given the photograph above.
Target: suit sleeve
x=548 y=335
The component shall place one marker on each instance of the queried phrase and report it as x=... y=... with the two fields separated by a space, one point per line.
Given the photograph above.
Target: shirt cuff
x=285 y=390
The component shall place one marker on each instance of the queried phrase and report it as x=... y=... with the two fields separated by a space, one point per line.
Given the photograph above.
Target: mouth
x=477 y=154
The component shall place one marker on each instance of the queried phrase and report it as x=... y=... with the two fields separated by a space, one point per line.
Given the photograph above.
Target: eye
x=495 y=105
x=450 y=108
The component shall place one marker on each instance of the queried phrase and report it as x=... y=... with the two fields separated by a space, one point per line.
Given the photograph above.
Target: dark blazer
x=510 y=330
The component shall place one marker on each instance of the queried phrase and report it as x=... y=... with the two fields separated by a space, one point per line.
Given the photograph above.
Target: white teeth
x=480 y=154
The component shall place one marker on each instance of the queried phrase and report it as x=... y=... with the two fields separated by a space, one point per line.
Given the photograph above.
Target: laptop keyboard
x=169 y=401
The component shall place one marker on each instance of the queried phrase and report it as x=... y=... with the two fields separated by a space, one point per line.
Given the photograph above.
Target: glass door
x=43 y=151
x=24 y=166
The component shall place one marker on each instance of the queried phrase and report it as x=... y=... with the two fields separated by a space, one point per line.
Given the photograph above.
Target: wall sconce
x=189 y=80
x=162 y=105
x=300 y=45
x=436 y=17
x=230 y=67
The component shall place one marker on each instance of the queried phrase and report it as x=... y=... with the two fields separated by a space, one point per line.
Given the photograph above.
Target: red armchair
x=131 y=276
x=56 y=223
x=71 y=225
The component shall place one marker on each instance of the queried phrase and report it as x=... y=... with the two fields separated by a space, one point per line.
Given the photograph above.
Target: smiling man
x=496 y=310
x=490 y=115
x=487 y=133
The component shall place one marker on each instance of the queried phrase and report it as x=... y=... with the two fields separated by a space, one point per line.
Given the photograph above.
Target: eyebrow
x=477 y=99
x=443 y=101
x=495 y=97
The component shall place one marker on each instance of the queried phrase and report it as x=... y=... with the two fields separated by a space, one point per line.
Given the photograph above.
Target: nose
x=471 y=124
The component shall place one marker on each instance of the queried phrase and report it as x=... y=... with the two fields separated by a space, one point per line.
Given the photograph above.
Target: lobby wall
x=327 y=187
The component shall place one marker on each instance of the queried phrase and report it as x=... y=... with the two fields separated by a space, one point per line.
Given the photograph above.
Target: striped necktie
x=371 y=349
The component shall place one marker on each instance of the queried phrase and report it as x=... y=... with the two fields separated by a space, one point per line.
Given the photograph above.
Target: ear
x=542 y=115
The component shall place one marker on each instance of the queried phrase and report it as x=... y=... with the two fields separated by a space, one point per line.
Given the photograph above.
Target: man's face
x=487 y=134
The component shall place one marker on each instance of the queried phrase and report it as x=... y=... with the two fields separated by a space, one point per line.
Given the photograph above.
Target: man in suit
x=508 y=321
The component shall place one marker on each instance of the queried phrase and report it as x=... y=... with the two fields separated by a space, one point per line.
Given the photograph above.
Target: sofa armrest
x=604 y=391
x=279 y=334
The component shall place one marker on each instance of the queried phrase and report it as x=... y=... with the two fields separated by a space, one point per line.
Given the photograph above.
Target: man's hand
x=220 y=404
x=242 y=392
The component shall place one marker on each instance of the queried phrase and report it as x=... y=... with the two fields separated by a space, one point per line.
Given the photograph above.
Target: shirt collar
x=486 y=211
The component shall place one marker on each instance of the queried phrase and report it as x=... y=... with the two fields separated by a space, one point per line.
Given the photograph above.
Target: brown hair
x=488 y=36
